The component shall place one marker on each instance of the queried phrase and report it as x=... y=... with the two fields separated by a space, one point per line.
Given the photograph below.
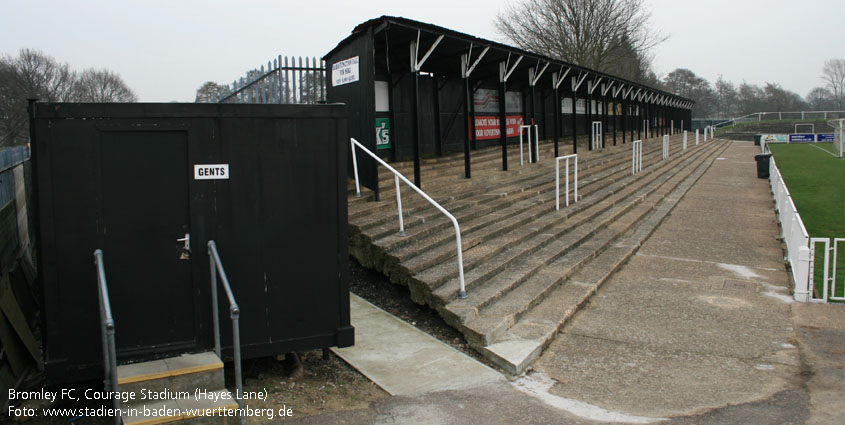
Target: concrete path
x=699 y=318
x=406 y=361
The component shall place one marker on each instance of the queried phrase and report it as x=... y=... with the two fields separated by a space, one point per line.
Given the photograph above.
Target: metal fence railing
x=777 y=116
x=794 y=234
x=9 y=159
x=285 y=81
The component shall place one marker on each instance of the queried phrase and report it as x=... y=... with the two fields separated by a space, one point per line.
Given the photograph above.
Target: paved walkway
x=406 y=361
x=697 y=328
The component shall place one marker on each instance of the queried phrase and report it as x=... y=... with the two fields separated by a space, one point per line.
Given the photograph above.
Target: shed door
x=145 y=210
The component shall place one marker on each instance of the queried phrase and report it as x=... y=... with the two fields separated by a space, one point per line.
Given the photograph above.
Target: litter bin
x=757 y=138
x=763 y=164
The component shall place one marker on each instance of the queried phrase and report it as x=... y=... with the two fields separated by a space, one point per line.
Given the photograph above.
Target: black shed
x=414 y=86
x=267 y=183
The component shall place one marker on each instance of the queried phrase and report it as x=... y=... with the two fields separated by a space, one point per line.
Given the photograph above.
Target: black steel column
x=618 y=109
x=469 y=128
x=438 y=138
x=589 y=123
x=533 y=153
x=557 y=124
x=415 y=127
x=604 y=121
x=503 y=125
x=574 y=121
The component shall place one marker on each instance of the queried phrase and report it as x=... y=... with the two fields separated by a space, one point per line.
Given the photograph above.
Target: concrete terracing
x=528 y=267
x=696 y=327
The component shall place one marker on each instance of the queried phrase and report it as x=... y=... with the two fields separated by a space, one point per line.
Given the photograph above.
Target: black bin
x=763 y=165
x=757 y=138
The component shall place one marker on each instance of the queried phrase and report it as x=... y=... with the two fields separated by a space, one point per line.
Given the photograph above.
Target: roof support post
x=469 y=121
x=415 y=113
x=503 y=126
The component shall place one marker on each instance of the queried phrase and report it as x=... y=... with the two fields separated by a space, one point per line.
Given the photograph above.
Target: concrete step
x=497 y=197
x=174 y=389
x=540 y=223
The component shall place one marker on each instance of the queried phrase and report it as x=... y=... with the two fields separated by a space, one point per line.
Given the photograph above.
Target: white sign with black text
x=345 y=72
x=211 y=171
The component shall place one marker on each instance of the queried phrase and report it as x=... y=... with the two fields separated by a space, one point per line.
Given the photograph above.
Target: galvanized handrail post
x=463 y=292
x=574 y=157
x=107 y=331
x=234 y=314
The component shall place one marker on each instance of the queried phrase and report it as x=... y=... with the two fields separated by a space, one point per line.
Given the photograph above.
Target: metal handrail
x=536 y=141
x=636 y=156
x=733 y=121
x=665 y=146
x=216 y=266
x=574 y=156
x=107 y=333
x=397 y=176
x=598 y=136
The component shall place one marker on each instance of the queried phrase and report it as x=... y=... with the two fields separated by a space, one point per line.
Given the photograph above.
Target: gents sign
x=345 y=72
x=211 y=171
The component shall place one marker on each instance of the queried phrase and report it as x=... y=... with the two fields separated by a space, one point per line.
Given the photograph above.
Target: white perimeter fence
x=794 y=234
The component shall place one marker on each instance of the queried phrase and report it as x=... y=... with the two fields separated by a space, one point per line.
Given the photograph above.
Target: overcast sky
x=166 y=49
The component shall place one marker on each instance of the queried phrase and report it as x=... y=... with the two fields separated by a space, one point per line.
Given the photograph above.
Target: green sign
x=383 y=133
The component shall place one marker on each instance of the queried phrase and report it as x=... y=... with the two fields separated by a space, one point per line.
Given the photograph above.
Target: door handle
x=187 y=241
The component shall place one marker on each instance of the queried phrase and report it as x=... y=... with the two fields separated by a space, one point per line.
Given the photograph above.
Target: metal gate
x=825 y=284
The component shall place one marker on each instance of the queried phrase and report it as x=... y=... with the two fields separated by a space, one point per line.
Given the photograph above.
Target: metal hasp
x=215 y=267
x=566 y=172
x=107 y=331
x=354 y=143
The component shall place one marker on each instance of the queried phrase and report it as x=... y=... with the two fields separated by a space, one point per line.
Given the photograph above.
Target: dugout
x=411 y=88
x=134 y=179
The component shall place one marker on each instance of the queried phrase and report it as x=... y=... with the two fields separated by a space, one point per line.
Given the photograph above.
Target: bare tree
x=591 y=33
x=33 y=74
x=727 y=98
x=820 y=99
x=834 y=74
x=102 y=86
x=684 y=82
x=209 y=91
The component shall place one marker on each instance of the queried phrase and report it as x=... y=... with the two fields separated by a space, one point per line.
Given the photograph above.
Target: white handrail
x=597 y=134
x=398 y=176
x=665 y=146
x=645 y=129
x=574 y=156
x=685 y=140
x=696 y=137
x=637 y=156
x=536 y=140
x=759 y=115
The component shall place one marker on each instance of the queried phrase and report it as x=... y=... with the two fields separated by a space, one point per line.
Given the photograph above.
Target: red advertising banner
x=487 y=126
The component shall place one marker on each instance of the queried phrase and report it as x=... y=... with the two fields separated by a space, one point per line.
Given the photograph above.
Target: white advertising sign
x=345 y=72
